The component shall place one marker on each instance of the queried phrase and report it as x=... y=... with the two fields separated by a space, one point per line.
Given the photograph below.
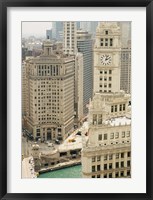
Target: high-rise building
x=125 y=80
x=85 y=46
x=125 y=33
x=69 y=42
x=78 y=95
x=107 y=154
x=49 y=34
x=50 y=94
x=57 y=30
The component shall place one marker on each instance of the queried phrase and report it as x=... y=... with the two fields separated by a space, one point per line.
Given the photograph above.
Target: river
x=70 y=172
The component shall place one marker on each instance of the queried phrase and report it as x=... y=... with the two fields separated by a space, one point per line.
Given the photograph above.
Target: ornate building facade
x=107 y=154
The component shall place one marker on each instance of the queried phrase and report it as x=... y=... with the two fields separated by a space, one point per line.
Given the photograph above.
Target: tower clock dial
x=106 y=59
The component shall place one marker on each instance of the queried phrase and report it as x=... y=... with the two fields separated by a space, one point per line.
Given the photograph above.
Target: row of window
x=106 y=85
x=116 y=108
x=110 y=175
x=116 y=135
x=111 y=166
x=105 y=78
x=110 y=156
x=106 y=42
x=105 y=71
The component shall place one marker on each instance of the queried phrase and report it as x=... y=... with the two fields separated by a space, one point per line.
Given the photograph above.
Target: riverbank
x=60 y=166
x=28 y=168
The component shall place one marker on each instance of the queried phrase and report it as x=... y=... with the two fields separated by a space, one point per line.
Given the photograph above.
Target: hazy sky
x=35 y=28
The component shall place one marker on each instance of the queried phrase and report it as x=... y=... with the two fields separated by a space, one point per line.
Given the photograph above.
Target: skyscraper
x=107 y=154
x=125 y=80
x=85 y=46
x=69 y=42
x=89 y=26
x=57 y=30
x=50 y=94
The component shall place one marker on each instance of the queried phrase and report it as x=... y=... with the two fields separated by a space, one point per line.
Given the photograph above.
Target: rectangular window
x=128 y=173
x=98 y=176
x=122 y=164
x=115 y=108
x=110 y=156
x=129 y=154
x=93 y=159
x=116 y=135
x=117 y=164
x=122 y=155
x=110 y=165
x=99 y=119
x=98 y=158
x=112 y=108
x=105 y=175
x=94 y=119
x=128 y=163
x=111 y=42
x=123 y=134
x=117 y=155
x=93 y=176
x=110 y=85
x=105 y=157
x=93 y=168
x=105 y=166
x=128 y=134
x=117 y=174
x=122 y=173
x=110 y=175
x=112 y=136
x=110 y=78
x=100 y=137
x=98 y=167
x=110 y=71
x=123 y=106
x=105 y=136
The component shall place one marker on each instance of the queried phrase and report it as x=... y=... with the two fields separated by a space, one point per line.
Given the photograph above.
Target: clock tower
x=107 y=58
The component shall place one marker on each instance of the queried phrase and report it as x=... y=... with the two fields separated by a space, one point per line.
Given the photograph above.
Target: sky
x=37 y=29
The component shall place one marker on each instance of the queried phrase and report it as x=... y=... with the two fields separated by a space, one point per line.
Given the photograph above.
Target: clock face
x=106 y=59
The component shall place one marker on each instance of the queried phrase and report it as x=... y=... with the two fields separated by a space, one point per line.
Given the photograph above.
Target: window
x=116 y=135
x=111 y=42
x=110 y=71
x=101 y=72
x=128 y=163
x=98 y=158
x=106 y=32
x=105 y=72
x=110 y=156
x=122 y=164
x=110 y=78
x=105 y=175
x=94 y=119
x=105 y=136
x=105 y=157
x=115 y=108
x=93 y=176
x=123 y=134
x=99 y=119
x=93 y=159
x=105 y=166
x=123 y=106
x=110 y=175
x=120 y=107
x=122 y=155
x=117 y=174
x=128 y=134
x=93 y=168
x=110 y=165
x=98 y=176
x=100 y=137
x=129 y=154
x=101 y=79
x=122 y=173
x=112 y=108
x=110 y=85
x=98 y=167
x=117 y=164
x=117 y=155
x=128 y=173
x=112 y=136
